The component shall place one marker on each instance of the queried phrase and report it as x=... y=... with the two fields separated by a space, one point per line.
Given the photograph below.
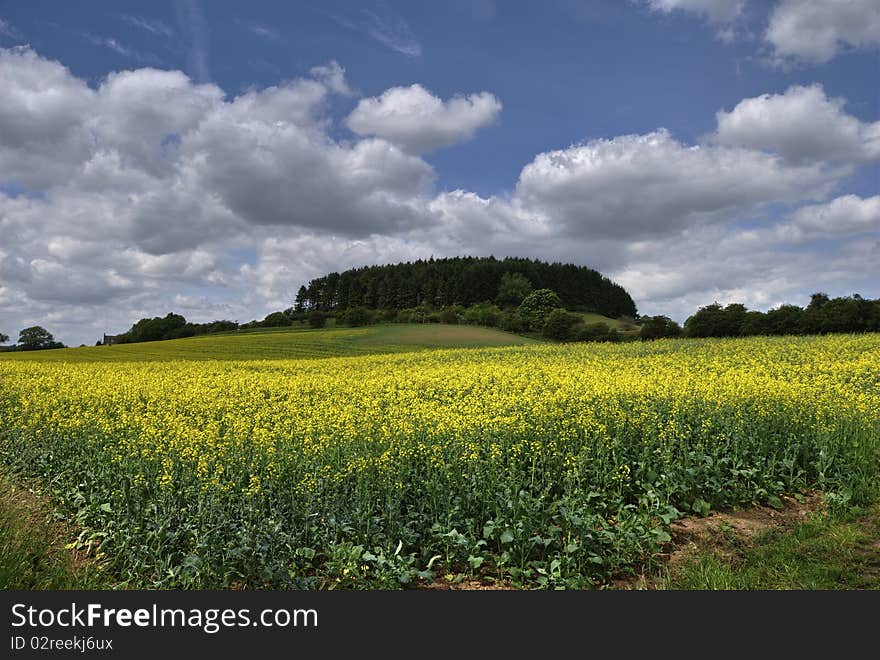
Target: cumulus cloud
x=418 y=121
x=676 y=275
x=815 y=31
x=798 y=31
x=267 y=156
x=717 y=11
x=148 y=181
x=803 y=125
x=650 y=184
x=143 y=113
x=148 y=192
x=849 y=215
x=42 y=118
x=332 y=75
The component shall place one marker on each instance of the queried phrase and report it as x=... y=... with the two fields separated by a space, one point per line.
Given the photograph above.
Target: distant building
x=109 y=340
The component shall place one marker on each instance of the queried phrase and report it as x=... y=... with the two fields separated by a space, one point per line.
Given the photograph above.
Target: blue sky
x=567 y=80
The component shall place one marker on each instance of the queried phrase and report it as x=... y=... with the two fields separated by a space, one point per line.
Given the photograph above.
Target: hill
x=462 y=281
x=287 y=344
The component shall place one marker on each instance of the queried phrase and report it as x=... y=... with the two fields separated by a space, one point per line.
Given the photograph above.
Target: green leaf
x=105 y=507
x=507 y=536
x=475 y=562
x=432 y=560
x=701 y=506
x=661 y=535
x=775 y=502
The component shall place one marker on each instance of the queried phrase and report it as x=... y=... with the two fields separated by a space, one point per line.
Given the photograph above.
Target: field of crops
x=278 y=343
x=546 y=465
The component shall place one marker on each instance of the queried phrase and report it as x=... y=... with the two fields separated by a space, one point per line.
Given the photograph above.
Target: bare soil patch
x=439 y=584
x=725 y=532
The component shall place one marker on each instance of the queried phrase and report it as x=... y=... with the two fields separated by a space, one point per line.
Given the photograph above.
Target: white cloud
x=637 y=185
x=120 y=49
x=148 y=192
x=845 y=216
x=817 y=30
x=151 y=25
x=387 y=28
x=678 y=274
x=264 y=31
x=42 y=118
x=717 y=11
x=146 y=183
x=803 y=125
x=418 y=121
x=275 y=172
x=332 y=76
x=143 y=113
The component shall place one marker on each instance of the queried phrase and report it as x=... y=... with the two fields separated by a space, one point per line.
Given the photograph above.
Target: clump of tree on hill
x=34 y=338
x=171 y=326
x=175 y=326
x=470 y=290
x=464 y=282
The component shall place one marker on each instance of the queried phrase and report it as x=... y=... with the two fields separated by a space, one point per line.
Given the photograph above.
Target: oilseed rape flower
x=573 y=456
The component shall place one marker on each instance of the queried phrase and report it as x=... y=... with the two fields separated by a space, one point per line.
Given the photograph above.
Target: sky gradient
x=209 y=158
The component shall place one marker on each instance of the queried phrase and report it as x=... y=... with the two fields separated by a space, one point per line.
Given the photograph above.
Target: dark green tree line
x=464 y=281
x=822 y=316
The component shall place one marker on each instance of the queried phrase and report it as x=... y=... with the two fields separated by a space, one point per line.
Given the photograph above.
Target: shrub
x=512 y=322
x=536 y=307
x=356 y=316
x=483 y=314
x=449 y=315
x=559 y=324
x=593 y=332
x=658 y=327
x=420 y=314
x=317 y=318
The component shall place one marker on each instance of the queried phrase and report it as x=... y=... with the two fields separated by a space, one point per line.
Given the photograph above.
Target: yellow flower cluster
x=369 y=432
x=237 y=423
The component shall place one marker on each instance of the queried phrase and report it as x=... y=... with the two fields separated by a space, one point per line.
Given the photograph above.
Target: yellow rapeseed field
x=553 y=465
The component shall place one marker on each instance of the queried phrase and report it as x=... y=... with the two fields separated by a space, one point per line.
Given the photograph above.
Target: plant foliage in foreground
x=549 y=465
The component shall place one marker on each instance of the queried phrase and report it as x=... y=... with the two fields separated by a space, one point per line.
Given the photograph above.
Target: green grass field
x=828 y=552
x=284 y=343
x=620 y=326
